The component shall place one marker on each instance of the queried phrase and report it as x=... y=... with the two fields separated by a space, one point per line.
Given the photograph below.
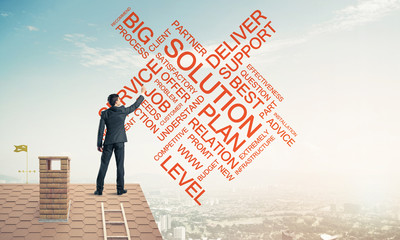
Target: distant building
x=351 y=208
x=179 y=233
x=165 y=222
x=286 y=235
x=325 y=236
x=333 y=207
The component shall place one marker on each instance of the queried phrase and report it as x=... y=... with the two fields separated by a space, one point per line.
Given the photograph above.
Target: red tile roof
x=19 y=214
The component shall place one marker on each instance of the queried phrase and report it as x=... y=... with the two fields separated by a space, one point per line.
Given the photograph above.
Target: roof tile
x=50 y=225
x=145 y=228
x=90 y=221
x=147 y=236
x=7 y=236
x=28 y=215
x=76 y=224
x=90 y=236
x=8 y=204
x=134 y=232
x=12 y=221
x=20 y=233
x=16 y=213
x=25 y=224
x=48 y=232
x=142 y=220
x=63 y=229
x=36 y=228
x=90 y=228
x=89 y=213
x=63 y=236
x=8 y=229
x=76 y=232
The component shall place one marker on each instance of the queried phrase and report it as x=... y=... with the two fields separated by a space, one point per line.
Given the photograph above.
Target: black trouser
x=119 y=150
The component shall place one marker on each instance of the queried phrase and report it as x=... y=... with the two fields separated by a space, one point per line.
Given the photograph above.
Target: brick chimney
x=54 y=188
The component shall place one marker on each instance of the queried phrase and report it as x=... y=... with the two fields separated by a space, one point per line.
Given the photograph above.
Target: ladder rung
x=115 y=222
x=125 y=222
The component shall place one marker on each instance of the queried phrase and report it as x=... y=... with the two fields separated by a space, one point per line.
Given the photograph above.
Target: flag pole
x=27 y=164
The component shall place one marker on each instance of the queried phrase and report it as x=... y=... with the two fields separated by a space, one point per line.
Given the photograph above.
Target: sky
x=335 y=62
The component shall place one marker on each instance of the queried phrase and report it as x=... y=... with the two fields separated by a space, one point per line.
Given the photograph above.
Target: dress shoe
x=121 y=191
x=98 y=192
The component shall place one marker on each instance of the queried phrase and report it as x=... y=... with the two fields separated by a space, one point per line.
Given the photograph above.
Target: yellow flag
x=20 y=148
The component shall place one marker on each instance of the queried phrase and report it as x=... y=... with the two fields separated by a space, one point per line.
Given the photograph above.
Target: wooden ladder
x=128 y=236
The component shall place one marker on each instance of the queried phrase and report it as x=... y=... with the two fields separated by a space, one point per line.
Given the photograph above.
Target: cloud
x=357 y=15
x=4 y=14
x=119 y=58
x=78 y=37
x=348 y=18
x=32 y=28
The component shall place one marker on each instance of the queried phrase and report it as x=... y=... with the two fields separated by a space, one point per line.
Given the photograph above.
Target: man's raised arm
x=137 y=103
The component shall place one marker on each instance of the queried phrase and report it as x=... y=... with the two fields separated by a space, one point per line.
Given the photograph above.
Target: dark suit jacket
x=114 y=119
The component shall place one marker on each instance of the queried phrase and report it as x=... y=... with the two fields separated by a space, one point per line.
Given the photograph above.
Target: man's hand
x=143 y=89
x=100 y=149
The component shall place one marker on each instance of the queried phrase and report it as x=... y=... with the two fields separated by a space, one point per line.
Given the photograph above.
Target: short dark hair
x=112 y=99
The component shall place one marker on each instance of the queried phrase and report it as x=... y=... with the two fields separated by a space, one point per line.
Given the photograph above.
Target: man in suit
x=114 y=119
